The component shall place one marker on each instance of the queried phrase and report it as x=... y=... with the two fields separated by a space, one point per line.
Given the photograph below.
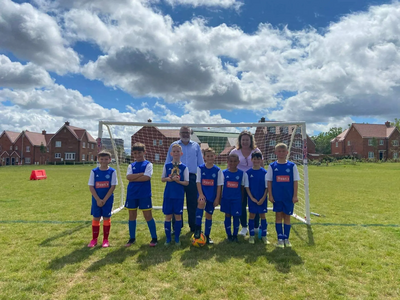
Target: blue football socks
x=263 y=227
x=236 y=223
x=152 y=228
x=251 y=227
x=228 y=223
x=132 y=229
x=167 y=228
x=177 y=229
x=207 y=227
x=199 y=216
x=286 y=230
x=279 y=231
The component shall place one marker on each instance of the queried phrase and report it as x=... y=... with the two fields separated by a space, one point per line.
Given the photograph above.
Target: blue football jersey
x=257 y=182
x=102 y=182
x=282 y=183
x=139 y=189
x=209 y=181
x=174 y=189
x=232 y=185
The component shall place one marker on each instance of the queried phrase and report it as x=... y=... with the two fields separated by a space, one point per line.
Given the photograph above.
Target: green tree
x=323 y=140
x=396 y=123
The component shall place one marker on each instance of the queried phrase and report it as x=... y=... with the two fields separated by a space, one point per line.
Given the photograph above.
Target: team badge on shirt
x=107 y=176
x=287 y=170
x=237 y=177
x=213 y=175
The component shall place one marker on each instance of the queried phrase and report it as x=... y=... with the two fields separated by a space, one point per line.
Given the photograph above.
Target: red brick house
x=32 y=147
x=72 y=144
x=370 y=141
x=157 y=142
x=267 y=137
x=8 y=153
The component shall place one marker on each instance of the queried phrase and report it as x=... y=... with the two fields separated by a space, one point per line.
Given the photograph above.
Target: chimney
x=262 y=120
x=67 y=123
x=387 y=123
x=149 y=120
x=44 y=132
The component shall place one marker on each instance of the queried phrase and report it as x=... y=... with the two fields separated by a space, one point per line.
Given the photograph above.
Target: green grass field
x=350 y=253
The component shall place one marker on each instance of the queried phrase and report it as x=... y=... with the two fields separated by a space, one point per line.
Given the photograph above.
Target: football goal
x=157 y=138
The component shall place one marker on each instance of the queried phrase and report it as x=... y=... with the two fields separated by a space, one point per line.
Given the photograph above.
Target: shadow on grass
x=47 y=241
x=74 y=257
x=283 y=259
x=112 y=258
x=304 y=233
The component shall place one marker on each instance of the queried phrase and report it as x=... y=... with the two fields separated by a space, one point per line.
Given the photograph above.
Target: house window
x=160 y=142
x=272 y=129
x=298 y=144
x=285 y=130
x=298 y=130
x=348 y=143
x=272 y=143
x=92 y=147
x=337 y=144
x=27 y=160
x=70 y=156
x=395 y=143
x=370 y=154
x=16 y=159
x=58 y=155
x=83 y=156
x=286 y=142
x=370 y=142
x=10 y=147
x=16 y=148
x=91 y=157
x=297 y=156
x=47 y=149
x=154 y=142
x=83 y=145
x=157 y=157
x=58 y=144
x=380 y=142
x=272 y=156
x=395 y=155
x=28 y=148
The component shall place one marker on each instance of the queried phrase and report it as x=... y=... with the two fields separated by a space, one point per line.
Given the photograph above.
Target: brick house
x=267 y=137
x=157 y=142
x=8 y=153
x=370 y=141
x=72 y=144
x=33 y=147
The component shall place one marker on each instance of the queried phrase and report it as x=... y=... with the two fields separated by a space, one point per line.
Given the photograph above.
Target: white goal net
x=157 y=138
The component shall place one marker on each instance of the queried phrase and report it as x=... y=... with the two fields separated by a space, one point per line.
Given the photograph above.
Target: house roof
x=217 y=134
x=374 y=130
x=340 y=137
x=204 y=146
x=12 y=135
x=227 y=150
x=76 y=131
x=174 y=133
x=35 y=138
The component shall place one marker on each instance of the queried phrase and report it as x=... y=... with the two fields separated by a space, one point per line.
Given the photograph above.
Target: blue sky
x=329 y=63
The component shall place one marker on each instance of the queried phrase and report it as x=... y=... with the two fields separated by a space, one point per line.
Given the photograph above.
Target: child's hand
x=99 y=203
x=254 y=200
x=201 y=199
x=261 y=201
x=295 y=199
x=216 y=203
x=271 y=199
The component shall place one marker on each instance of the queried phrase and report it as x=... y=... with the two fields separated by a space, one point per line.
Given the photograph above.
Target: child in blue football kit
x=139 y=193
x=209 y=182
x=282 y=177
x=176 y=175
x=256 y=187
x=231 y=202
x=102 y=182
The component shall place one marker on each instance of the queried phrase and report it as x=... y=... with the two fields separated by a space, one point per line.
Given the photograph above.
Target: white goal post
x=157 y=138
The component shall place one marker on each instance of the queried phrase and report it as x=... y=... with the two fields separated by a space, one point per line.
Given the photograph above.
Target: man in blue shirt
x=192 y=158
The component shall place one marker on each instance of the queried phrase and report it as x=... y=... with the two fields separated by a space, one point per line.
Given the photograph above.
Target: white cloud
x=17 y=76
x=35 y=36
x=213 y=3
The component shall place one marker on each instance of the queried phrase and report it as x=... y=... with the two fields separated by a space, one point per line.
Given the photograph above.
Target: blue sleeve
x=200 y=159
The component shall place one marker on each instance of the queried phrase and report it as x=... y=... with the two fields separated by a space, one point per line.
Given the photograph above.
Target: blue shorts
x=254 y=208
x=104 y=211
x=231 y=207
x=172 y=206
x=209 y=207
x=142 y=203
x=285 y=207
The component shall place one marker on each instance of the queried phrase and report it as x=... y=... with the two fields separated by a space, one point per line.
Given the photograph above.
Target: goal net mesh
x=118 y=138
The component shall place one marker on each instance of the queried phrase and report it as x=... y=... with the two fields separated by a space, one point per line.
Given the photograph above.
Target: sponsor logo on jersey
x=107 y=176
x=232 y=184
x=207 y=182
x=283 y=178
x=102 y=184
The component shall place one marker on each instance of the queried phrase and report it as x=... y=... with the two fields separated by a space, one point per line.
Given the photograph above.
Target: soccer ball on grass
x=200 y=242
